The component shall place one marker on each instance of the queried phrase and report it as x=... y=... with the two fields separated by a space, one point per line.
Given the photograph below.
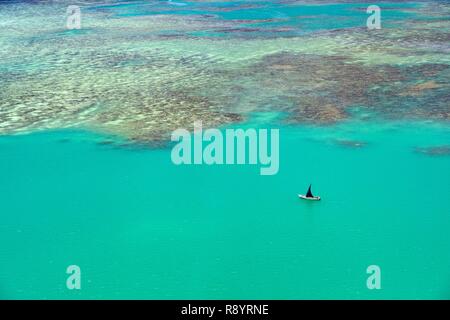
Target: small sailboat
x=309 y=195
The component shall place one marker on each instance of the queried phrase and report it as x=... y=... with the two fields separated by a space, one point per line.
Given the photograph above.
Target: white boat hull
x=308 y=198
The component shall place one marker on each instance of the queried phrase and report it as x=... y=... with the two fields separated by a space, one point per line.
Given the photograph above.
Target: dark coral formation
x=350 y=143
x=434 y=151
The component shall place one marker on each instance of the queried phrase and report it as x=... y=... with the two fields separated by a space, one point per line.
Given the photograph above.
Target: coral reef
x=434 y=151
x=143 y=74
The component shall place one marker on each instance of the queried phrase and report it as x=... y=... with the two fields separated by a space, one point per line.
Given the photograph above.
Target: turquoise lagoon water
x=140 y=227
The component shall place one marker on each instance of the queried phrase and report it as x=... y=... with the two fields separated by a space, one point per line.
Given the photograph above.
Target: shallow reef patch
x=443 y=150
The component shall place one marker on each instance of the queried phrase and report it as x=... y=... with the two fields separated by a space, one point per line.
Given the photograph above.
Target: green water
x=140 y=227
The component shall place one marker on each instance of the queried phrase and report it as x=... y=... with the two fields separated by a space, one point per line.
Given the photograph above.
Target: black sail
x=309 y=193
